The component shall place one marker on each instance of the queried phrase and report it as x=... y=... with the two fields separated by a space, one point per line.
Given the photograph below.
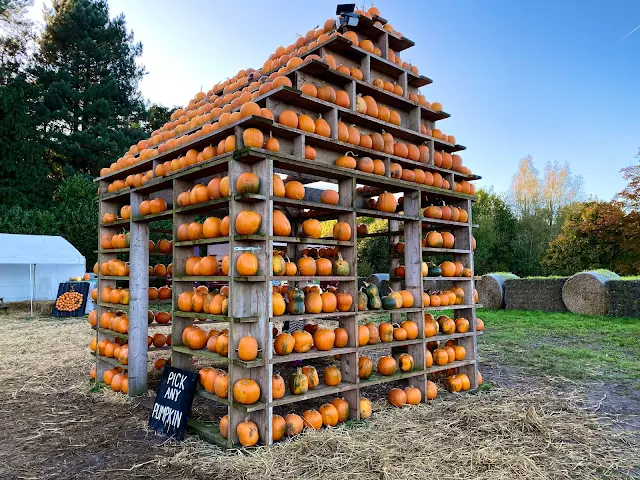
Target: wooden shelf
x=226 y=401
x=445 y=251
x=214 y=318
x=118 y=223
x=113 y=277
x=331 y=278
x=317 y=168
x=309 y=205
x=448 y=223
x=383 y=345
x=313 y=353
x=313 y=241
x=208 y=431
x=308 y=316
x=450 y=279
x=395 y=310
x=154 y=217
x=319 y=391
x=377 y=379
x=458 y=364
x=200 y=278
x=258 y=362
x=112 y=361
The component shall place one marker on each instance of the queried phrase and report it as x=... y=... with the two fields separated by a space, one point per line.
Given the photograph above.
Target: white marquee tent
x=32 y=266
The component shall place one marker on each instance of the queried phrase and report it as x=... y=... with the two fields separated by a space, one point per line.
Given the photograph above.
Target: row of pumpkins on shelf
x=365 y=105
x=252 y=137
x=247 y=391
x=120 y=296
x=202 y=300
x=200 y=109
x=115 y=377
x=118 y=349
x=120 y=268
x=315 y=37
x=328 y=415
x=119 y=321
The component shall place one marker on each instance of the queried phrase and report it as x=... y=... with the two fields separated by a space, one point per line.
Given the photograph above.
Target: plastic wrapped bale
x=544 y=294
x=491 y=289
x=624 y=297
x=586 y=292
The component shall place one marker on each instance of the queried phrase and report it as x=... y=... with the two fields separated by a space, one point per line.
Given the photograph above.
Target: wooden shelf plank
x=458 y=364
x=309 y=316
x=258 y=362
x=112 y=361
x=153 y=217
x=395 y=343
x=433 y=250
x=214 y=318
x=118 y=223
x=313 y=353
x=312 y=241
x=309 y=205
x=331 y=278
x=207 y=431
x=200 y=278
x=448 y=223
x=226 y=401
x=319 y=391
x=112 y=277
x=377 y=379
x=332 y=171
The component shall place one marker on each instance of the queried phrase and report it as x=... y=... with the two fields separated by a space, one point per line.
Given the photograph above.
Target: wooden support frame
x=250 y=306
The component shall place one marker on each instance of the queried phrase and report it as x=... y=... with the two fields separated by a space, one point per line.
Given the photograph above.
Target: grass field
x=577 y=347
x=520 y=425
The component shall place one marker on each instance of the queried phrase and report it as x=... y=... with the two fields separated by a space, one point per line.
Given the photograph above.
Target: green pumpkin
x=389 y=303
x=397 y=297
x=341 y=267
x=279 y=265
x=370 y=289
x=296 y=302
x=375 y=303
x=127 y=239
x=298 y=383
x=362 y=301
x=435 y=271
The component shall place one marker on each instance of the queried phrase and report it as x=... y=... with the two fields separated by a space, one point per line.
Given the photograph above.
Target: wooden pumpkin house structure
x=236 y=172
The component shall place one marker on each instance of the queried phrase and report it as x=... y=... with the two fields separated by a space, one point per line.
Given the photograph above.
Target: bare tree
x=525 y=188
x=560 y=188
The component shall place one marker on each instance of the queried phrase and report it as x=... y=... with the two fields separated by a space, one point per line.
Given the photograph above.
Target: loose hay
x=495 y=435
x=586 y=292
x=506 y=433
x=491 y=289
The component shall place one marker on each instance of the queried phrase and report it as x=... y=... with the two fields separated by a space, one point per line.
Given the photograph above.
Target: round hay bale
x=491 y=289
x=586 y=293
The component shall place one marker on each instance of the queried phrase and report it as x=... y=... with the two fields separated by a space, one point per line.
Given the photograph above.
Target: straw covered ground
x=55 y=428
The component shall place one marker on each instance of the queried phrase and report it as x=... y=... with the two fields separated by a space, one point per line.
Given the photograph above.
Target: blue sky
x=548 y=78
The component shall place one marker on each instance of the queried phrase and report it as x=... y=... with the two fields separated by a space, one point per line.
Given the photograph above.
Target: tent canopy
x=38 y=250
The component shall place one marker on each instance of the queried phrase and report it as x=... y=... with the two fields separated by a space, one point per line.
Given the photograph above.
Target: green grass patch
x=578 y=347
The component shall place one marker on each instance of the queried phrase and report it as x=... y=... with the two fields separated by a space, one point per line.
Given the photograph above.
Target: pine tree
x=90 y=106
x=25 y=178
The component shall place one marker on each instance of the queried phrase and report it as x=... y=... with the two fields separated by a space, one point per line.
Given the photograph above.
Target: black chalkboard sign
x=173 y=402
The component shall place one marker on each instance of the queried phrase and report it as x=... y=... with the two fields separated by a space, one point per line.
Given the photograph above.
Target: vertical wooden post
x=349 y=361
x=463 y=241
x=413 y=282
x=139 y=301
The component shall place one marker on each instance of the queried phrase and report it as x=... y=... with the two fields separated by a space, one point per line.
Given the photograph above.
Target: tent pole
x=31 y=276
